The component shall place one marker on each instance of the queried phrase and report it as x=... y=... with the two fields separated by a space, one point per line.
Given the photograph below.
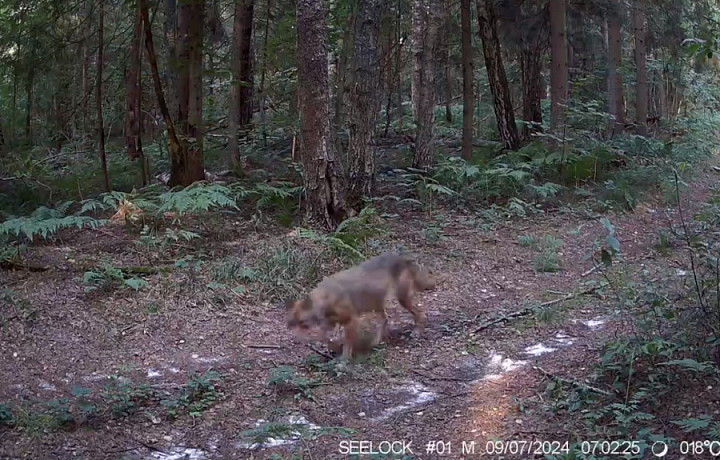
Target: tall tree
x=558 y=62
x=98 y=94
x=133 y=123
x=502 y=100
x=364 y=100
x=616 y=103
x=427 y=24
x=188 y=167
x=641 y=85
x=241 y=88
x=170 y=32
x=525 y=26
x=467 y=68
x=323 y=183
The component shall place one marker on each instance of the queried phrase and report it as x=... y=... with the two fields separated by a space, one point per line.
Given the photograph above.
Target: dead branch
x=576 y=383
x=528 y=310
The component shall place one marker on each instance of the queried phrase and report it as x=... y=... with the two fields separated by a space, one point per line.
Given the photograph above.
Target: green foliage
x=126 y=398
x=199 y=394
x=286 y=379
x=46 y=222
x=107 y=276
x=7 y=417
x=548 y=247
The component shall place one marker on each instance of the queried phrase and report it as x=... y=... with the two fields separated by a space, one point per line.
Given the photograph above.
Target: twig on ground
x=321 y=353
x=263 y=346
x=576 y=383
x=591 y=271
x=528 y=310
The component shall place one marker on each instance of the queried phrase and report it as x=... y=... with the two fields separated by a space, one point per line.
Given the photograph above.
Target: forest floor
x=451 y=385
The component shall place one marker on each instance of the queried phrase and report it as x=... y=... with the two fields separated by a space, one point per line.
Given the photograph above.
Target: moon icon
x=659 y=449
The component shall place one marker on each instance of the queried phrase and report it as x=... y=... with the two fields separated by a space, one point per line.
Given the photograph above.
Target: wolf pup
x=339 y=299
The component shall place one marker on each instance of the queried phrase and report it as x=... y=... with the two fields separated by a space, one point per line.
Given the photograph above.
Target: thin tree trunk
x=85 y=88
x=389 y=79
x=170 y=33
x=559 y=63
x=616 y=104
x=133 y=123
x=14 y=103
x=641 y=100
x=467 y=63
x=341 y=75
x=190 y=167
x=98 y=95
x=241 y=87
x=177 y=148
x=323 y=183
x=446 y=64
x=532 y=87
x=263 y=70
x=29 y=85
x=427 y=25
x=399 y=67
x=502 y=101
x=364 y=102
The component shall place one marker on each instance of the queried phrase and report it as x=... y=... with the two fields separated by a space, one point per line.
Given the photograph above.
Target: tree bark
x=467 y=65
x=427 y=25
x=558 y=63
x=241 y=88
x=502 y=101
x=178 y=147
x=364 y=102
x=532 y=87
x=323 y=184
x=170 y=32
x=98 y=95
x=446 y=64
x=641 y=100
x=616 y=104
x=189 y=167
x=133 y=123
x=263 y=70
x=29 y=86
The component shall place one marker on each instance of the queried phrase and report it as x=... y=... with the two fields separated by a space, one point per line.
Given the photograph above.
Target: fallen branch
x=576 y=383
x=441 y=379
x=529 y=310
x=10 y=265
x=263 y=346
x=321 y=353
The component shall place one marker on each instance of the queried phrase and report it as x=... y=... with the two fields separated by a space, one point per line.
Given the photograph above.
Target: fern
x=694 y=424
x=33 y=227
x=197 y=198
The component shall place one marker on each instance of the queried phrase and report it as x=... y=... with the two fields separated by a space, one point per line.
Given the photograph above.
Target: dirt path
x=450 y=386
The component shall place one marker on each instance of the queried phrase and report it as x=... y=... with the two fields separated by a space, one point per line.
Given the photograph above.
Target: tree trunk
x=85 y=88
x=641 y=100
x=558 y=63
x=499 y=87
x=467 y=64
x=399 y=67
x=263 y=70
x=427 y=25
x=364 y=102
x=29 y=85
x=323 y=183
x=170 y=31
x=190 y=168
x=616 y=104
x=98 y=95
x=446 y=64
x=532 y=87
x=133 y=123
x=241 y=107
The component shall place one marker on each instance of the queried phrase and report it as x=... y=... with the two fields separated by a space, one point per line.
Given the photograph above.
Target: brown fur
x=339 y=299
x=361 y=335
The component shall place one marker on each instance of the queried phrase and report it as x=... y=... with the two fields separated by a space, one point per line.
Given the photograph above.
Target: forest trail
x=452 y=385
